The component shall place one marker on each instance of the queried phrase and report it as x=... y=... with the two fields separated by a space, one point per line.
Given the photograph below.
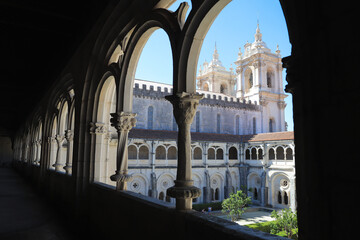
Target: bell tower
x=259 y=79
x=214 y=77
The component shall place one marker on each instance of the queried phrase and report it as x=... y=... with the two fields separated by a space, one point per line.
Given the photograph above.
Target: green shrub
x=235 y=205
x=286 y=221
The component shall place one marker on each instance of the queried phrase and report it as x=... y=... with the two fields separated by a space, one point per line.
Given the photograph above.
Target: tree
x=235 y=205
x=286 y=221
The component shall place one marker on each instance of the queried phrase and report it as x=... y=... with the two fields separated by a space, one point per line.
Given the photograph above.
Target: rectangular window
x=218 y=124
x=198 y=121
x=254 y=125
x=150 y=117
x=237 y=123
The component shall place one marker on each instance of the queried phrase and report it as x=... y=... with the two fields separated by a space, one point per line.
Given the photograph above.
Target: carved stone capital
x=185 y=105
x=123 y=121
x=69 y=135
x=97 y=128
x=281 y=104
x=59 y=139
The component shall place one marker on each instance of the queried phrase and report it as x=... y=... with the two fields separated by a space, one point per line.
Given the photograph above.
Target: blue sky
x=235 y=25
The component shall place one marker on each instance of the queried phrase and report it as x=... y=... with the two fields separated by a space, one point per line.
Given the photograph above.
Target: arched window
x=289 y=154
x=247 y=154
x=253 y=154
x=218 y=123
x=211 y=154
x=251 y=81
x=172 y=153
x=132 y=152
x=206 y=87
x=260 y=153
x=254 y=125
x=271 y=154
x=269 y=79
x=233 y=153
x=217 y=194
x=160 y=152
x=286 y=198
x=223 y=88
x=197 y=119
x=197 y=153
x=143 y=152
x=271 y=125
x=150 y=120
x=280 y=153
x=255 y=194
x=279 y=198
x=219 y=154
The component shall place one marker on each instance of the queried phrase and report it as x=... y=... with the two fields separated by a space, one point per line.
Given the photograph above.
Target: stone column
x=123 y=122
x=69 y=138
x=59 y=140
x=184 y=107
x=38 y=152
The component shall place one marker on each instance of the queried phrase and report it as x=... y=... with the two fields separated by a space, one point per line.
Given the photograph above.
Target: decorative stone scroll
x=123 y=122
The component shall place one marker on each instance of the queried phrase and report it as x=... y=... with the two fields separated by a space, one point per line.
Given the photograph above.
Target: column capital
x=123 y=121
x=59 y=138
x=97 y=128
x=185 y=105
x=69 y=135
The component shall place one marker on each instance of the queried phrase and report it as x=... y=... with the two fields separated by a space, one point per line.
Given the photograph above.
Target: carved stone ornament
x=121 y=177
x=97 y=128
x=123 y=121
x=281 y=104
x=69 y=135
x=183 y=192
x=185 y=105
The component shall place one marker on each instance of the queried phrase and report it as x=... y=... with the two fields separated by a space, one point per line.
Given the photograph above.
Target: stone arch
x=233 y=153
x=143 y=152
x=160 y=153
x=197 y=153
x=280 y=183
x=165 y=181
x=195 y=31
x=280 y=153
x=104 y=158
x=139 y=184
x=132 y=152
x=211 y=154
x=289 y=153
x=217 y=186
x=171 y=153
x=159 y=18
x=254 y=185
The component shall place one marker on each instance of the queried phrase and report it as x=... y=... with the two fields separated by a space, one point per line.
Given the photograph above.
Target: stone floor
x=24 y=215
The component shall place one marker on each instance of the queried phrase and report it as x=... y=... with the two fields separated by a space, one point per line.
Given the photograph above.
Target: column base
x=68 y=169
x=121 y=180
x=57 y=166
x=184 y=192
